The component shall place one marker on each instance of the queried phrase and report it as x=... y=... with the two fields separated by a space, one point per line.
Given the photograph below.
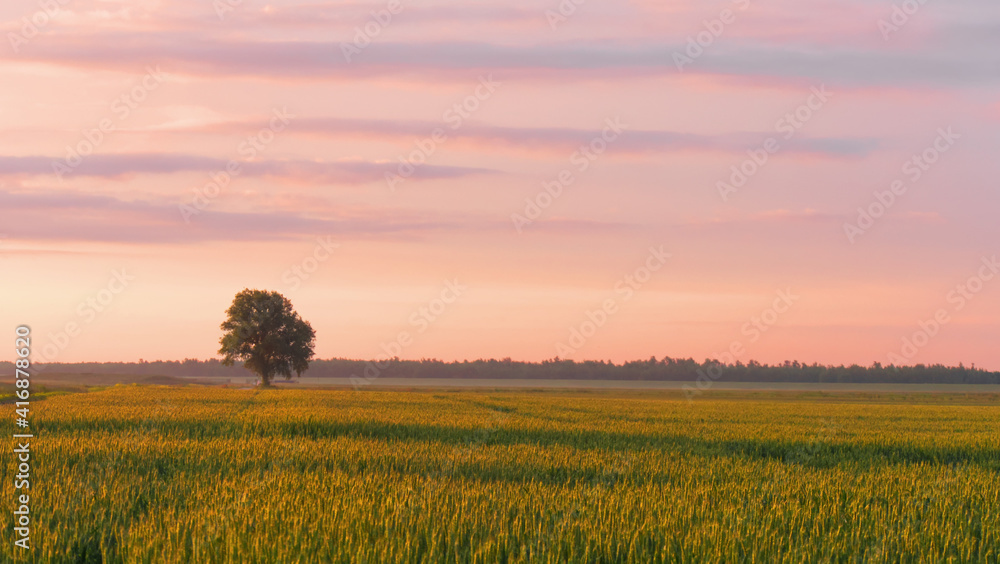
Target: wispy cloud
x=123 y=165
x=950 y=61
x=635 y=141
x=77 y=217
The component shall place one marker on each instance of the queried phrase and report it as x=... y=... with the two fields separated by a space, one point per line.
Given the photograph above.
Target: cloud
x=70 y=216
x=76 y=217
x=332 y=15
x=340 y=172
x=946 y=65
x=772 y=217
x=632 y=141
x=949 y=60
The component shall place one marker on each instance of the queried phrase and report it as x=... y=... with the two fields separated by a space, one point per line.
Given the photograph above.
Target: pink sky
x=491 y=102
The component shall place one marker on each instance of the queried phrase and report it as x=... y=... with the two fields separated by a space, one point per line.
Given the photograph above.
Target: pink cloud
x=627 y=139
x=130 y=164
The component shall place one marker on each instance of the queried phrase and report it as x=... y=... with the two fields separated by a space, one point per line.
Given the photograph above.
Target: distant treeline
x=666 y=369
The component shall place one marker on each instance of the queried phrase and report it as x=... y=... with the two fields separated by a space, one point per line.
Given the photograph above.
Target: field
x=199 y=474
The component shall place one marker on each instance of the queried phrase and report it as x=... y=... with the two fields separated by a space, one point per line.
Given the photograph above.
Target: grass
x=158 y=474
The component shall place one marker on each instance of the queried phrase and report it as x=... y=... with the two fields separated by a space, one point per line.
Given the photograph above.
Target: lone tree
x=267 y=335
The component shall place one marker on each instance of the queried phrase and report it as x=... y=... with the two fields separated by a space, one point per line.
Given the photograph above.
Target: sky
x=787 y=180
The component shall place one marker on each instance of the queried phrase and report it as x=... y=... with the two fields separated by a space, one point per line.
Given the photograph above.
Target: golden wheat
x=149 y=474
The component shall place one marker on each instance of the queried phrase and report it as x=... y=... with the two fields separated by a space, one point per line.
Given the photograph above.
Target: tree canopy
x=263 y=331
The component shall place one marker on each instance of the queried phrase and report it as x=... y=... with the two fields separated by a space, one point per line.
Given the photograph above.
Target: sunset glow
x=530 y=179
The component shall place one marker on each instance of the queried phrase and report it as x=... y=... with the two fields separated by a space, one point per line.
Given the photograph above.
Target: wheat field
x=192 y=474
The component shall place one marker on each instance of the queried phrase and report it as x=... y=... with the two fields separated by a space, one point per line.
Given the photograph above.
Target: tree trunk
x=265 y=380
